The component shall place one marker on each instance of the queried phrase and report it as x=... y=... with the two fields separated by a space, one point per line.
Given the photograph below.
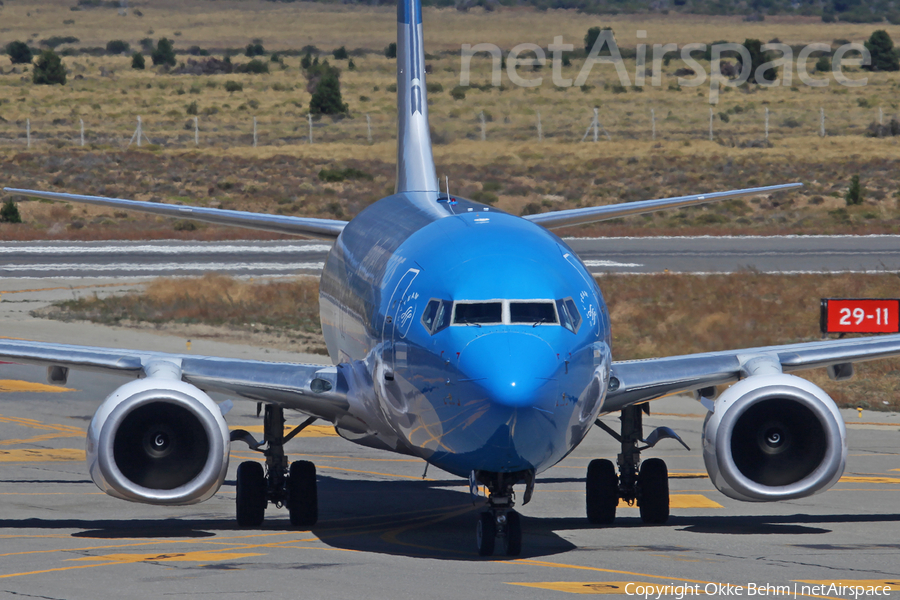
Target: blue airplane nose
x=512 y=369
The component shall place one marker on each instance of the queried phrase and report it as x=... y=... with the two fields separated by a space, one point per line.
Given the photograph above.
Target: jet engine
x=158 y=441
x=774 y=437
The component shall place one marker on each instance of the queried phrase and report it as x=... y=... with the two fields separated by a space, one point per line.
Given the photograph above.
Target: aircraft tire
x=250 y=501
x=601 y=492
x=302 y=496
x=653 y=495
x=486 y=534
x=513 y=534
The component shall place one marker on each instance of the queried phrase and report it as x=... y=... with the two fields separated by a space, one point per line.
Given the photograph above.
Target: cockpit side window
x=569 y=316
x=478 y=313
x=436 y=315
x=533 y=313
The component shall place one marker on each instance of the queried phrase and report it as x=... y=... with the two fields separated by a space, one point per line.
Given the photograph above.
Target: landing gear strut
x=293 y=487
x=646 y=483
x=500 y=521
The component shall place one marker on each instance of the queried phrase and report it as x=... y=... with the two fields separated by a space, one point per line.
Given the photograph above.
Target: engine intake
x=774 y=437
x=158 y=441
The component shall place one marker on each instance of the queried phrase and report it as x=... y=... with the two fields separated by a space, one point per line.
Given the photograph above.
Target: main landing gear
x=500 y=521
x=293 y=487
x=646 y=483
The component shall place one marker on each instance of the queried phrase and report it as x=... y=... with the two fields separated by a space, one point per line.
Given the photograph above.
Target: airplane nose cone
x=512 y=369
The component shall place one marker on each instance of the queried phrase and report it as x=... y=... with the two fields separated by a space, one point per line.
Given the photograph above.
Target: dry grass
x=233 y=23
x=280 y=174
x=663 y=315
x=652 y=315
x=285 y=309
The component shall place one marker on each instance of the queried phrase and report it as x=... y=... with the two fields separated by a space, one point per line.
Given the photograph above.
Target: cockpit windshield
x=478 y=313
x=440 y=314
x=535 y=312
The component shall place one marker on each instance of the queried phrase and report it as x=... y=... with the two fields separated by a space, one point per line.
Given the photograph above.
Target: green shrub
x=254 y=49
x=137 y=61
x=48 y=70
x=335 y=175
x=327 y=99
x=9 y=212
x=855 y=193
x=434 y=88
x=234 y=86
x=254 y=66
x=192 y=108
x=341 y=53
x=19 y=53
x=164 y=53
x=458 y=93
x=59 y=40
x=823 y=64
x=117 y=47
x=881 y=47
x=391 y=50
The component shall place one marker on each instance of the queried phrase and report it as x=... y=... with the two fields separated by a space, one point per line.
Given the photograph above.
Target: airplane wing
x=327 y=229
x=579 y=216
x=318 y=390
x=643 y=380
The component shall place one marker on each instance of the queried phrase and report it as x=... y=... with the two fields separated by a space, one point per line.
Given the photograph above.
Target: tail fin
x=415 y=163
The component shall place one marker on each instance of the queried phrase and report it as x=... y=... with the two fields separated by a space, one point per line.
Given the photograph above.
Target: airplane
x=474 y=339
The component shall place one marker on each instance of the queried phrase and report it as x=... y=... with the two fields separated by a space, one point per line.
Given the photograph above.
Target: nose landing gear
x=500 y=521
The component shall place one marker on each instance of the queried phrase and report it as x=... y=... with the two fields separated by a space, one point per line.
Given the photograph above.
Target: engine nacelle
x=158 y=441
x=774 y=437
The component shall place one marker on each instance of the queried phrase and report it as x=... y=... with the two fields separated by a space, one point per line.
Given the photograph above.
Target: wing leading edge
x=318 y=390
x=579 y=216
x=327 y=229
x=643 y=380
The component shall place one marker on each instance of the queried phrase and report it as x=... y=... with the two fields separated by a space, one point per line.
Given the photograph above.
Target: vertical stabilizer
x=415 y=163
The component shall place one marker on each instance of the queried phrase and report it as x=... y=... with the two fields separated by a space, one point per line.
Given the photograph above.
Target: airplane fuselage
x=483 y=338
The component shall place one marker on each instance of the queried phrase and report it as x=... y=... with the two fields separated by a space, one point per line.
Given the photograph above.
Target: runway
x=387 y=532
x=776 y=254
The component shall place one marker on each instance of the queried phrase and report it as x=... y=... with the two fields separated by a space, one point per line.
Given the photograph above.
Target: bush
x=192 y=108
x=434 y=88
x=391 y=50
x=757 y=59
x=335 y=175
x=164 y=54
x=855 y=193
x=306 y=61
x=823 y=64
x=59 y=40
x=881 y=47
x=9 y=212
x=254 y=66
x=341 y=53
x=234 y=86
x=117 y=47
x=327 y=99
x=137 y=61
x=48 y=70
x=19 y=53
x=458 y=93
x=254 y=50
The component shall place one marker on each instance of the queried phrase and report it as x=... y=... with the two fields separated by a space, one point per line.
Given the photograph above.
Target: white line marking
x=609 y=263
x=166 y=267
x=147 y=249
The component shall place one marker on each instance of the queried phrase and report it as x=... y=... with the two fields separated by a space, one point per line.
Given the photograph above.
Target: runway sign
x=860 y=315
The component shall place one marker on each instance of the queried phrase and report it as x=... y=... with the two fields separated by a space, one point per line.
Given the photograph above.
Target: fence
x=544 y=125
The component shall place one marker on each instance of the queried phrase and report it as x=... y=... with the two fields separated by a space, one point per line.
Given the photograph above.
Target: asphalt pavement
x=775 y=254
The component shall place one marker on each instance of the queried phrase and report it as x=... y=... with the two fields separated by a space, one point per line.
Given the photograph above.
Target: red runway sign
x=860 y=315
